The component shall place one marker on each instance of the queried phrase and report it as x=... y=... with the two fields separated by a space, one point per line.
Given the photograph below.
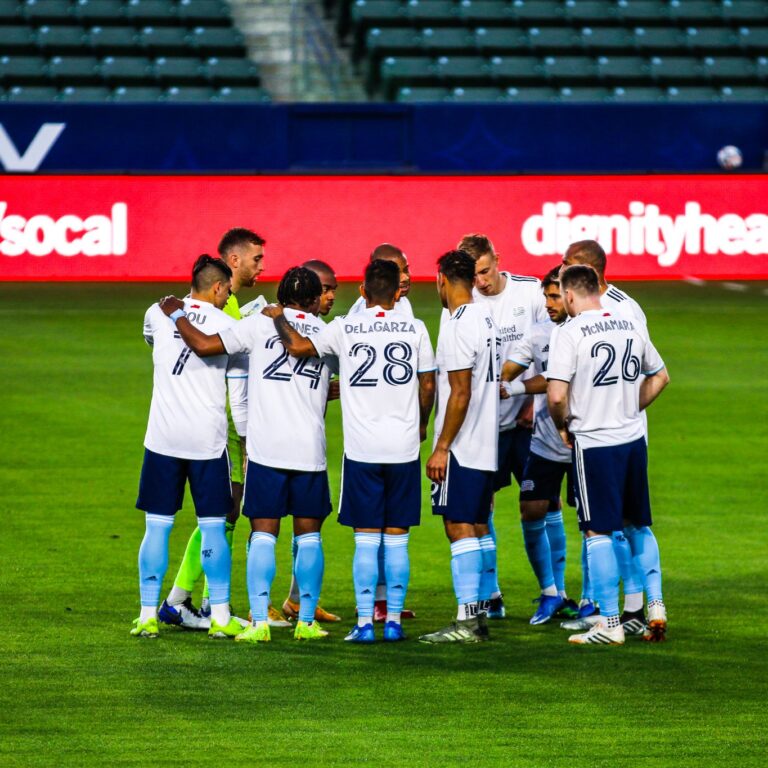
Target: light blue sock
x=586 y=582
x=604 y=573
x=365 y=572
x=260 y=572
x=216 y=557
x=538 y=551
x=310 y=564
x=556 y=537
x=496 y=590
x=397 y=566
x=645 y=550
x=466 y=569
x=488 y=579
x=630 y=573
x=153 y=557
x=381 y=580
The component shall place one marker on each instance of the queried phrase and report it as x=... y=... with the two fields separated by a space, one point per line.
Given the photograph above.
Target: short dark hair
x=457 y=267
x=386 y=251
x=207 y=270
x=588 y=252
x=552 y=277
x=317 y=265
x=299 y=286
x=381 y=281
x=238 y=236
x=476 y=245
x=580 y=278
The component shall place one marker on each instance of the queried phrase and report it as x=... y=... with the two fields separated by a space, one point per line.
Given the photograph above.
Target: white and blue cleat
x=393 y=632
x=360 y=634
x=549 y=605
x=185 y=616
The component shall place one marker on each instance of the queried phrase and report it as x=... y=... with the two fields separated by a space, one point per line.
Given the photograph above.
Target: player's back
x=616 y=299
x=381 y=352
x=187 y=417
x=469 y=339
x=604 y=355
x=402 y=305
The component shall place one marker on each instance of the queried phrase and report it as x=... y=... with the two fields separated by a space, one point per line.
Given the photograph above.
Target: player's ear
x=362 y=291
x=397 y=295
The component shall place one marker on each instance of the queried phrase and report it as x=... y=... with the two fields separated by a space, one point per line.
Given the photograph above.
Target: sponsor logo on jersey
x=69 y=235
x=646 y=230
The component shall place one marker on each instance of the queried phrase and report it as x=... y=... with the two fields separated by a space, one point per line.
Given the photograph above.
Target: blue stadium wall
x=544 y=138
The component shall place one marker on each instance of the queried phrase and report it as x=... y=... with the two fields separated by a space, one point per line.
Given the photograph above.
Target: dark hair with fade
x=238 y=236
x=476 y=245
x=207 y=270
x=299 y=286
x=588 y=252
x=381 y=281
x=580 y=278
x=552 y=277
x=318 y=264
x=386 y=251
x=457 y=267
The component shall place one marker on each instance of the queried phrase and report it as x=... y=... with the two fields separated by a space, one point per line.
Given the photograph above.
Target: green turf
x=75 y=689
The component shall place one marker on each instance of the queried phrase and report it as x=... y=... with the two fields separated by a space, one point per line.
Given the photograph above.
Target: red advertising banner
x=153 y=227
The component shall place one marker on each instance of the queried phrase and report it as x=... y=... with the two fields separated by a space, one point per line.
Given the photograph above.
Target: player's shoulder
x=522 y=282
x=543 y=329
x=617 y=294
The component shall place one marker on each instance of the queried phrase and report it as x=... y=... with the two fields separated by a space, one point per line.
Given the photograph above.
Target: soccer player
x=286 y=448
x=186 y=440
x=603 y=371
x=591 y=253
x=549 y=460
x=242 y=250
x=327 y=276
x=386 y=368
x=515 y=303
x=463 y=462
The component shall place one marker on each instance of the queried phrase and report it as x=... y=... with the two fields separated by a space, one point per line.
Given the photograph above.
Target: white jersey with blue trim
x=469 y=339
x=532 y=352
x=380 y=352
x=514 y=310
x=604 y=355
x=613 y=298
x=286 y=395
x=188 y=417
x=402 y=305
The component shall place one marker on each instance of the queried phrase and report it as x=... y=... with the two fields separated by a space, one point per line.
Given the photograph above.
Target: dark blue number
x=357 y=379
x=181 y=361
x=398 y=362
x=272 y=371
x=494 y=355
x=311 y=368
x=630 y=364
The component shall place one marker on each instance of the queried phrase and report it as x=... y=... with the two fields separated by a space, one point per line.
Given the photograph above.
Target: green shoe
x=253 y=634
x=232 y=629
x=465 y=631
x=305 y=631
x=147 y=629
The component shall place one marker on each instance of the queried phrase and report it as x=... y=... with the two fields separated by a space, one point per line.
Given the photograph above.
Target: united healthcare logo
x=31 y=159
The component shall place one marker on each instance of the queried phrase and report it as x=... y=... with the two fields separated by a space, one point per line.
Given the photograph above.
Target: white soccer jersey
x=380 y=351
x=532 y=352
x=188 y=417
x=604 y=355
x=286 y=395
x=519 y=305
x=614 y=299
x=470 y=339
x=402 y=305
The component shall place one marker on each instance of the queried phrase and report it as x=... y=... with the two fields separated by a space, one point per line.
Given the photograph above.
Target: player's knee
x=531 y=511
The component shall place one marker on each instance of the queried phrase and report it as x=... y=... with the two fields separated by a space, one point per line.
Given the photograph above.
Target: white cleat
x=656 y=629
x=600 y=635
x=580 y=625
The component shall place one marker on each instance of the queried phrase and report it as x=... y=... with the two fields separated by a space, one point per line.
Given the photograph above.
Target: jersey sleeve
x=239 y=336
x=460 y=347
x=149 y=326
x=521 y=351
x=426 y=355
x=237 y=388
x=562 y=356
x=652 y=362
x=328 y=341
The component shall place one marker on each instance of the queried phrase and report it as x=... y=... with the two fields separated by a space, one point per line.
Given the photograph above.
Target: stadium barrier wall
x=153 y=227
x=541 y=138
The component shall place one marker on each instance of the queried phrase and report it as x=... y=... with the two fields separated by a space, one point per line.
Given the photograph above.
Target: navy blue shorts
x=611 y=485
x=380 y=495
x=465 y=495
x=514 y=447
x=275 y=493
x=543 y=478
x=161 y=487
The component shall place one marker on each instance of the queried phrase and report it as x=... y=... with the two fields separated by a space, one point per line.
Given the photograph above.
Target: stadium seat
x=15 y=40
x=74 y=70
x=85 y=93
x=569 y=69
x=207 y=12
x=231 y=71
x=753 y=39
x=537 y=11
x=398 y=71
x=675 y=69
x=153 y=12
x=98 y=11
x=513 y=70
x=693 y=11
x=601 y=40
x=462 y=70
x=622 y=69
x=552 y=39
x=745 y=11
x=164 y=40
x=126 y=69
x=456 y=40
x=485 y=12
x=677 y=94
x=642 y=11
x=242 y=94
x=729 y=69
x=136 y=93
x=409 y=95
x=22 y=70
x=219 y=41
x=475 y=94
x=432 y=12
x=744 y=93
x=10 y=11
x=392 y=41
x=639 y=94
x=30 y=93
x=178 y=70
x=711 y=39
x=501 y=40
x=60 y=39
x=46 y=11
x=376 y=13
x=589 y=11
x=113 y=40
x=515 y=94
x=761 y=68
x=587 y=93
x=658 y=39
x=187 y=93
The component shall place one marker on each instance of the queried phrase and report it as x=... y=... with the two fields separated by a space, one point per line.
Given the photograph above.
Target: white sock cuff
x=396 y=540
x=166 y=521
x=368 y=539
x=555 y=517
x=211 y=522
x=263 y=536
x=307 y=538
x=599 y=541
x=487 y=544
x=462 y=546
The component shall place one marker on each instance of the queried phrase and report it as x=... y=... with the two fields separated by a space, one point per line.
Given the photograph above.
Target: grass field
x=75 y=689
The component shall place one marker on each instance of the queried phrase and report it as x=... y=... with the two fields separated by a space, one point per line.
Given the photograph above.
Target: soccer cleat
x=380 y=612
x=252 y=634
x=276 y=619
x=549 y=605
x=306 y=631
x=184 y=615
x=460 y=631
x=291 y=611
x=393 y=632
x=656 y=631
x=579 y=625
x=205 y=607
x=600 y=635
x=231 y=629
x=633 y=622
x=482 y=626
x=587 y=608
x=569 y=609
x=360 y=634
x=147 y=629
x=496 y=608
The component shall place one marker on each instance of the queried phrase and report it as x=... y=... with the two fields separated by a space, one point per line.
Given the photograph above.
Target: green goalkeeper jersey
x=232 y=307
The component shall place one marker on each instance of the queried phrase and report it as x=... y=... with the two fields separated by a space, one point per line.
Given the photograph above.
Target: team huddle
x=536 y=380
